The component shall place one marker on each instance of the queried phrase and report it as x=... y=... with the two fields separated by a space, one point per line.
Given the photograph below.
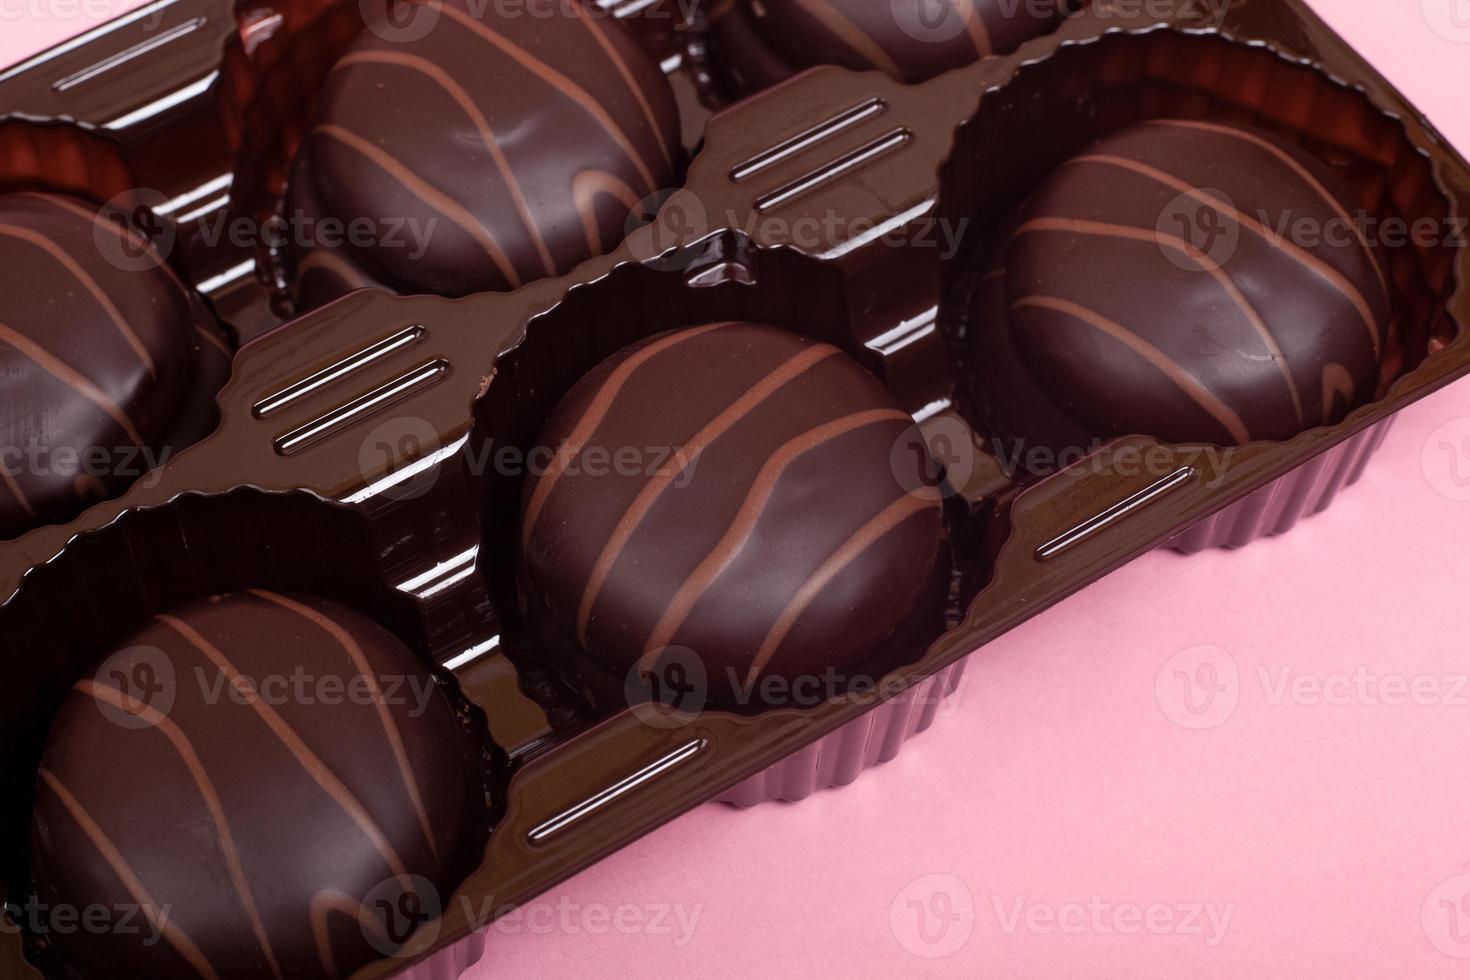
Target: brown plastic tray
x=345 y=462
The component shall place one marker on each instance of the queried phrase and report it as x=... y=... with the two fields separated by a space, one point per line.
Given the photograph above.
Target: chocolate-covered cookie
x=1188 y=280
x=733 y=493
x=910 y=40
x=498 y=148
x=275 y=785
x=108 y=362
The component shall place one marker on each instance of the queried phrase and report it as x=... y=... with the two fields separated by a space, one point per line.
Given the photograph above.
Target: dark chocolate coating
x=1185 y=280
x=100 y=358
x=263 y=824
x=910 y=40
x=776 y=539
x=517 y=145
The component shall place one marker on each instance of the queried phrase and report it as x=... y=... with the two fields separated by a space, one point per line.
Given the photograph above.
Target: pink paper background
x=1062 y=821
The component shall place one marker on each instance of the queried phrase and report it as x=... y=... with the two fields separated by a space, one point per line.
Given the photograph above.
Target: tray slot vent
x=573 y=815
x=347 y=366
x=1115 y=513
x=396 y=390
x=847 y=163
x=131 y=54
x=808 y=138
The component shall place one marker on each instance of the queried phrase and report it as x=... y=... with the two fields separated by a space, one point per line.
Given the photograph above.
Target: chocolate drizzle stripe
x=560 y=82
x=687 y=455
x=364 y=670
x=627 y=74
x=1187 y=382
x=430 y=195
x=586 y=187
x=89 y=284
x=975 y=25
x=64 y=373
x=596 y=411
x=1102 y=229
x=328 y=901
x=114 y=858
x=119 y=228
x=305 y=757
x=190 y=758
x=1334 y=278
x=851 y=35
x=1306 y=175
x=746 y=520
x=8 y=478
x=457 y=92
x=869 y=534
